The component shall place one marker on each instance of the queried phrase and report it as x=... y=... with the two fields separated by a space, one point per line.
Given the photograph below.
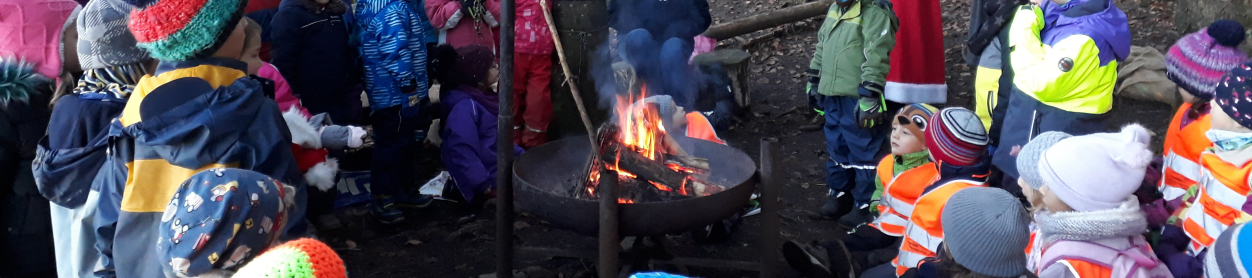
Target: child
x=469 y=146
x=1196 y=63
x=847 y=85
x=1224 y=258
x=957 y=144
x=1064 y=56
x=74 y=149
x=680 y=123
x=394 y=55
x=301 y=258
x=34 y=36
x=1222 y=189
x=1030 y=182
x=310 y=46
x=533 y=72
x=1093 y=227
x=200 y=111
x=462 y=26
x=219 y=220
x=985 y=230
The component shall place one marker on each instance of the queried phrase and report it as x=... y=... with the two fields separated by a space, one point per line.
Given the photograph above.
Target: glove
x=356 y=137
x=811 y=90
x=872 y=108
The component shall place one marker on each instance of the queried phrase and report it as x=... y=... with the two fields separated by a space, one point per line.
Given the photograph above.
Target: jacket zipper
x=311 y=23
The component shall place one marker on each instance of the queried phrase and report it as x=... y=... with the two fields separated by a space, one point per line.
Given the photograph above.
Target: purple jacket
x=469 y=139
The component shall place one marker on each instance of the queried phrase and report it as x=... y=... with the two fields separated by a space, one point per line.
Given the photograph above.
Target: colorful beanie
x=986 y=230
x=301 y=258
x=1198 y=60
x=1225 y=256
x=1028 y=158
x=956 y=137
x=1097 y=171
x=1234 y=94
x=220 y=219
x=180 y=30
x=915 y=117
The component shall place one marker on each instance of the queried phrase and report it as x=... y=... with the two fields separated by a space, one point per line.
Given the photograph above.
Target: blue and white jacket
x=393 y=49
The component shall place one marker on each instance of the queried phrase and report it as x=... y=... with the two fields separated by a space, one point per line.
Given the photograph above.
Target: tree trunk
x=1193 y=15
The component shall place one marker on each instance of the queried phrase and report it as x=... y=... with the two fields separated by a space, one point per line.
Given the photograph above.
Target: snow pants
x=74 y=238
x=532 y=99
x=853 y=151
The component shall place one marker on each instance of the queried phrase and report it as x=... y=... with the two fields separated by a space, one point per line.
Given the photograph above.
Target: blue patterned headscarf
x=219 y=220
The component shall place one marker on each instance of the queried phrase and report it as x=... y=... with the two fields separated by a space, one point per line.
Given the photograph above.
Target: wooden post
x=610 y=242
x=569 y=79
x=770 y=241
x=504 y=146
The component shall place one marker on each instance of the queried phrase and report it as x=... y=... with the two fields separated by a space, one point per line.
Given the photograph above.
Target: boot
x=857 y=217
x=810 y=260
x=837 y=205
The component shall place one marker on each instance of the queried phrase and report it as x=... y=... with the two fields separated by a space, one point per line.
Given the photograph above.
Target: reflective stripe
x=1170 y=192
x=918 y=245
x=891 y=224
x=901 y=207
x=1212 y=212
x=1183 y=166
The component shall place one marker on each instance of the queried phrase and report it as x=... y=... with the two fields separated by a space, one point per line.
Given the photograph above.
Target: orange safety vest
x=1084 y=269
x=1182 y=149
x=899 y=193
x=699 y=127
x=1223 y=191
x=924 y=232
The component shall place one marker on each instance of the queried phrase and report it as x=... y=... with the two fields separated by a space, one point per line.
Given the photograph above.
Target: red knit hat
x=956 y=137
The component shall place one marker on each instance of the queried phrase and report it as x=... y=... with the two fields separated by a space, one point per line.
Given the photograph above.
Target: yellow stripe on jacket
x=1065 y=75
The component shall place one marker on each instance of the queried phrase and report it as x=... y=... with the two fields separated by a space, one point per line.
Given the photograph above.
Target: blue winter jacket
x=469 y=140
x=311 y=49
x=190 y=116
x=394 y=52
x=71 y=154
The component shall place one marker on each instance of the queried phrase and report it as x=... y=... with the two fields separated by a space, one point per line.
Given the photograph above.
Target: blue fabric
x=432 y=33
x=264 y=17
x=664 y=19
x=469 y=142
x=72 y=153
x=393 y=51
x=1100 y=20
x=220 y=219
x=854 y=152
x=312 y=52
x=663 y=65
x=1027 y=117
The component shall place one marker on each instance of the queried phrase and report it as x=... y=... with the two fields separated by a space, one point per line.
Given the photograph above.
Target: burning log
x=654 y=171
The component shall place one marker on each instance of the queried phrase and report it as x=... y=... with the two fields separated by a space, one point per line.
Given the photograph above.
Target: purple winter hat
x=1198 y=60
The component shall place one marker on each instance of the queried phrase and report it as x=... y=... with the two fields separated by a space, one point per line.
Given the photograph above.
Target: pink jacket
x=282 y=90
x=462 y=31
x=533 y=35
x=30 y=30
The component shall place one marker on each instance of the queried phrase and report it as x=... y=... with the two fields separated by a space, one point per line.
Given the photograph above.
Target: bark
x=1193 y=15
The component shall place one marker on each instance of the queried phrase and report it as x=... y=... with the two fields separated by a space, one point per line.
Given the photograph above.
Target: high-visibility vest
x=924 y=232
x=1034 y=251
x=1084 y=269
x=899 y=193
x=1223 y=192
x=698 y=127
x=1182 y=149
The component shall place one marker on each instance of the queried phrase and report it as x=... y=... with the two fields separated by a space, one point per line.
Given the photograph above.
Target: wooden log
x=771 y=19
x=642 y=167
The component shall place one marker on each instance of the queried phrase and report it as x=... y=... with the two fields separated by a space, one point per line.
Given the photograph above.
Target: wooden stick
x=573 y=88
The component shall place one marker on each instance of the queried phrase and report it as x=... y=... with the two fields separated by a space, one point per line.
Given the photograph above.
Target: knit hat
x=956 y=137
x=103 y=40
x=1028 y=158
x=986 y=230
x=1234 y=94
x=472 y=63
x=1097 y=171
x=914 y=117
x=665 y=106
x=1225 y=256
x=1198 y=60
x=301 y=258
x=219 y=219
x=180 y=30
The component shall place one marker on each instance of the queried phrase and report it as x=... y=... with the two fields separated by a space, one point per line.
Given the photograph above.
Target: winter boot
x=837 y=204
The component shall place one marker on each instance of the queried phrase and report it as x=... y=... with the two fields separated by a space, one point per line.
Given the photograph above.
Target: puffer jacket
x=533 y=35
x=852 y=48
x=393 y=51
x=311 y=49
x=469 y=140
x=459 y=29
x=190 y=116
x=25 y=219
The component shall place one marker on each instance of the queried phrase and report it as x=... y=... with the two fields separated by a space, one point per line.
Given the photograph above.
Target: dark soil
x=449 y=240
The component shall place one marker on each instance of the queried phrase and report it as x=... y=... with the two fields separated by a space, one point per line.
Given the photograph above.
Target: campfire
x=651 y=166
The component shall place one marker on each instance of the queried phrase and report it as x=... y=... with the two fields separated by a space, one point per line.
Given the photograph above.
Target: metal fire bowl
x=545 y=175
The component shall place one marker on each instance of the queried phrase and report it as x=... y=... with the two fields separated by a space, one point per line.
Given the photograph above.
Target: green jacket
x=903 y=163
x=853 y=47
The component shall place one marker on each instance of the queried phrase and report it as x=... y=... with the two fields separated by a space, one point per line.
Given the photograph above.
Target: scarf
x=1225 y=140
x=491 y=102
x=109 y=84
x=1123 y=221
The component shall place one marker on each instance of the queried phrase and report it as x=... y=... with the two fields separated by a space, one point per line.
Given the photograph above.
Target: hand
x=871 y=112
x=356 y=137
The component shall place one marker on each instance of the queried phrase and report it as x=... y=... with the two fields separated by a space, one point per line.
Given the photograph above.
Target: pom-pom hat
x=1097 y=171
x=181 y=30
x=1198 y=60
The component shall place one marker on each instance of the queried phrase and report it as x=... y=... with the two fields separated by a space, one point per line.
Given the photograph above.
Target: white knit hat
x=1097 y=171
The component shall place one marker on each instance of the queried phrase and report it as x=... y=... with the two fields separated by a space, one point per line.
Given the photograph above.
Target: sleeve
x=706 y=19
x=1037 y=69
x=460 y=147
x=285 y=42
x=335 y=137
x=444 y=14
x=878 y=29
x=395 y=35
x=493 y=12
x=815 y=65
x=110 y=183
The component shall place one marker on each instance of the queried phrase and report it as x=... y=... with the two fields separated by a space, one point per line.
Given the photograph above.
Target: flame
x=641 y=131
x=625 y=201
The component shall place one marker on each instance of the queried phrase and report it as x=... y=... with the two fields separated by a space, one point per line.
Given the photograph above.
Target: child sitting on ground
x=902 y=176
x=1030 y=182
x=1093 y=227
x=469 y=135
x=985 y=230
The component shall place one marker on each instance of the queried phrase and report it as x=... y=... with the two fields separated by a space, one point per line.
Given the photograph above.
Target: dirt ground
x=450 y=240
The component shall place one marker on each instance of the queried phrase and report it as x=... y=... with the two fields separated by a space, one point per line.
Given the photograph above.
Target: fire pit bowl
x=545 y=175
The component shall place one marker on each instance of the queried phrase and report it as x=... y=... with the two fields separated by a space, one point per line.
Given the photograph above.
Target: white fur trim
x=916 y=93
x=302 y=133
x=322 y=175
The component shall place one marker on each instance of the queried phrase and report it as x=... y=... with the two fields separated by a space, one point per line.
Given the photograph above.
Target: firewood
x=645 y=169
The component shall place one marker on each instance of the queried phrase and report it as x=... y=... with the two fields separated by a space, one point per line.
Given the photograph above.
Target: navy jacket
x=310 y=48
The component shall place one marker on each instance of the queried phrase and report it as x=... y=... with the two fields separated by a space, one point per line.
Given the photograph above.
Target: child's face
x=493 y=75
x=680 y=116
x=1032 y=196
x=1051 y=201
x=233 y=46
x=903 y=141
x=252 y=56
x=1222 y=121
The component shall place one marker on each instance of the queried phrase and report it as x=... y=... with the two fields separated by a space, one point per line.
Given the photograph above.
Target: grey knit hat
x=103 y=39
x=1028 y=158
x=665 y=105
x=986 y=230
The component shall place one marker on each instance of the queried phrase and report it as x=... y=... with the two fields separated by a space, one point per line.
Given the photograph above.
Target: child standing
x=1196 y=63
x=200 y=111
x=1094 y=227
x=533 y=72
x=847 y=85
x=465 y=22
x=1030 y=182
x=310 y=47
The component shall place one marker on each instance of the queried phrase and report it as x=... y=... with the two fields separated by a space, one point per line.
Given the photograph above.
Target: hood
x=332 y=7
x=454 y=97
x=60 y=173
x=18 y=82
x=1099 y=19
x=977 y=172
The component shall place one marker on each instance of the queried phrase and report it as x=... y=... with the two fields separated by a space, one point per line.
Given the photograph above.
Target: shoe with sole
x=837 y=205
x=415 y=201
x=856 y=217
x=810 y=261
x=386 y=211
x=840 y=260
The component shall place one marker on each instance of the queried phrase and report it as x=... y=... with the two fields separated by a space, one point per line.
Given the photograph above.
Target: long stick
x=504 y=145
x=573 y=88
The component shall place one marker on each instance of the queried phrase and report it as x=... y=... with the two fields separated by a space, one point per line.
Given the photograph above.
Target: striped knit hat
x=956 y=137
x=1234 y=94
x=1224 y=258
x=181 y=30
x=1198 y=60
x=301 y=258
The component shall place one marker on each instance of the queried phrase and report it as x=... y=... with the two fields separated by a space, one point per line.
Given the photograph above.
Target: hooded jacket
x=1064 y=60
x=469 y=140
x=853 y=48
x=190 y=116
x=310 y=47
x=459 y=29
x=393 y=51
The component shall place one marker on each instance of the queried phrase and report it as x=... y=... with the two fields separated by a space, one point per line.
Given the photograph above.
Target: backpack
x=1127 y=257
